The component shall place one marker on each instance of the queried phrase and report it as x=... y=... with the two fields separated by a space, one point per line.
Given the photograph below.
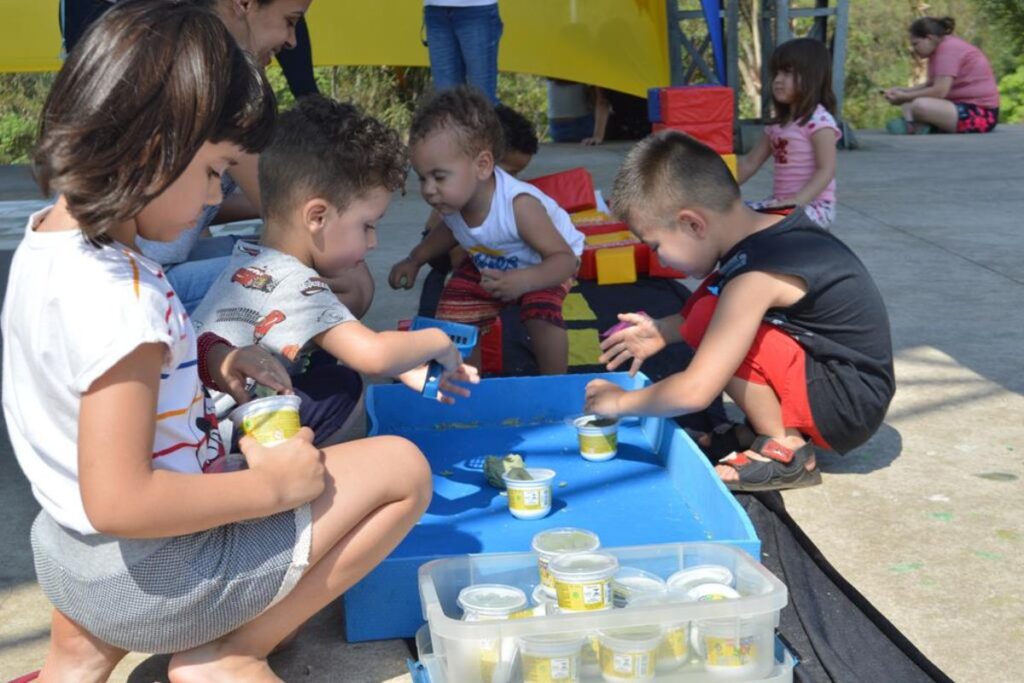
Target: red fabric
x=491 y=349
x=717 y=136
x=573 y=190
x=206 y=341
x=697 y=104
x=464 y=300
x=775 y=359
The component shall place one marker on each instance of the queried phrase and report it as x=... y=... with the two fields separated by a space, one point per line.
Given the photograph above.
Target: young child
x=788 y=321
x=522 y=247
x=326 y=180
x=141 y=544
x=802 y=136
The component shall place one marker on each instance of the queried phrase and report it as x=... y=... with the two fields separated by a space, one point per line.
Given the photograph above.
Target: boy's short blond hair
x=670 y=170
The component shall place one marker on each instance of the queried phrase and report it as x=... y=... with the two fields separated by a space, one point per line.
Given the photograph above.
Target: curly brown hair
x=144 y=88
x=466 y=112
x=332 y=150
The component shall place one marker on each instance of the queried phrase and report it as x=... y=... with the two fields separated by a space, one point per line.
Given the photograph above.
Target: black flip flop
x=784 y=469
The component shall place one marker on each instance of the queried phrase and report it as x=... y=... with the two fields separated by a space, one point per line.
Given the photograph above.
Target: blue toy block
x=654 y=105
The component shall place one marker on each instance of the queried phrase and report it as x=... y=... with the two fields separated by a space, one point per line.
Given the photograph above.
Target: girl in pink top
x=960 y=96
x=802 y=135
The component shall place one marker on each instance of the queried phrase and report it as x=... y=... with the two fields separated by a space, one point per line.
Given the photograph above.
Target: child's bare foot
x=215 y=663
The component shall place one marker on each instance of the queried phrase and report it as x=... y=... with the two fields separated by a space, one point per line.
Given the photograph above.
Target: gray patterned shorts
x=171 y=594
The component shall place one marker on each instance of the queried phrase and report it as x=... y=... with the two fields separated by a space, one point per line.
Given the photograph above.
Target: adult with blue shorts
x=462 y=37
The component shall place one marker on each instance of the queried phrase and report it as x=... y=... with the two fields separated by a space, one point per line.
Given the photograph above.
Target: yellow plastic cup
x=269 y=420
x=598 y=436
x=530 y=499
x=554 y=542
x=551 y=659
x=583 y=581
x=630 y=655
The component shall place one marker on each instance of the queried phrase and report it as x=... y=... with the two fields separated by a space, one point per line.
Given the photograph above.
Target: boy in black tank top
x=788 y=321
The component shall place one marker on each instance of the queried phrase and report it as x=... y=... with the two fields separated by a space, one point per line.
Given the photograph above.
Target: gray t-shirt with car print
x=270 y=298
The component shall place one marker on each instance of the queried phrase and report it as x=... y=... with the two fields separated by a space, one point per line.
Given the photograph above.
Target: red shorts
x=464 y=300
x=775 y=359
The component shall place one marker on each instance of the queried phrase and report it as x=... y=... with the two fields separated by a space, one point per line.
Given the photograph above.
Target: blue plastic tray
x=658 y=489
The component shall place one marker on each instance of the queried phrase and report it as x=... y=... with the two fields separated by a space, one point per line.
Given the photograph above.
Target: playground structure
x=626 y=46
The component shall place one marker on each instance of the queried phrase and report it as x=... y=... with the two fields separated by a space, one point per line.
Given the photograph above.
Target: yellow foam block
x=730 y=161
x=584 y=347
x=575 y=307
x=615 y=265
x=609 y=238
x=590 y=216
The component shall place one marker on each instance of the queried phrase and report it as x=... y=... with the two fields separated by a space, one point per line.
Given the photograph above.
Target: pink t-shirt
x=793 y=152
x=973 y=81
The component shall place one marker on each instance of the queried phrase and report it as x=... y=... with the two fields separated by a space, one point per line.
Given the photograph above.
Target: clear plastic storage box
x=726 y=635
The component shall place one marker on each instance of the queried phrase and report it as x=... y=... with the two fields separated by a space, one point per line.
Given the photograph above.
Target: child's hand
x=230 y=368
x=639 y=342
x=403 y=274
x=894 y=95
x=450 y=385
x=602 y=398
x=506 y=285
x=294 y=470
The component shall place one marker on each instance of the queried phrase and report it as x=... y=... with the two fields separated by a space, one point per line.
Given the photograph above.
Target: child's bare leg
x=77 y=656
x=550 y=345
x=938 y=112
x=764 y=412
x=377 y=489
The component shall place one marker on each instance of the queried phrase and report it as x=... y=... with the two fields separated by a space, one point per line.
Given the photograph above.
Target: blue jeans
x=193 y=278
x=463 y=45
x=571 y=130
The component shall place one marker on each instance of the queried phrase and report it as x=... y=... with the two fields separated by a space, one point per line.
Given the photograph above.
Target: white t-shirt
x=496 y=242
x=460 y=3
x=72 y=312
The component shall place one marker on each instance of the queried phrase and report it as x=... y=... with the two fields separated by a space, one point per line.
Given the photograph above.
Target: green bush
x=1011 y=94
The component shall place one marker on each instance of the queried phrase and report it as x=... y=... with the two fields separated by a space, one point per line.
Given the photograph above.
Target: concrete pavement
x=925 y=519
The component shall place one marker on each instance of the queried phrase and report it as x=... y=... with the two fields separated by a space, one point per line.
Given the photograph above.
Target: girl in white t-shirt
x=144 y=541
x=801 y=139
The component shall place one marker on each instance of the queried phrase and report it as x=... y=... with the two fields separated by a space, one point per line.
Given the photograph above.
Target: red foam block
x=717 y=136
x=697 y=104
x=573 y=190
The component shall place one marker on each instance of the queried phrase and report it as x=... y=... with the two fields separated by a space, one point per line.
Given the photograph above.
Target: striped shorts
x=464 y=300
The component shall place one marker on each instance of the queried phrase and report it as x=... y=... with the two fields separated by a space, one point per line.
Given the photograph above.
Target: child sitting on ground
x=326 y=180
x=522 y=246
x=788 y=321
x=802 y=136
x=141 y=543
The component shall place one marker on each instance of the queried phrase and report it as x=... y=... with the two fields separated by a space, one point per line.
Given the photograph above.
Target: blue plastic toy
x=463 y=336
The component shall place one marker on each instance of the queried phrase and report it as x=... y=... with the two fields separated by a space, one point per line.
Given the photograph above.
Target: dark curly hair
x=328 y=149
x=932 y=26
x=519 y=133
x=140 y=93
x=465 y=111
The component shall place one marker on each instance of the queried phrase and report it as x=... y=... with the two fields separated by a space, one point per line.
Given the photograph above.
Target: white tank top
x=496 y=243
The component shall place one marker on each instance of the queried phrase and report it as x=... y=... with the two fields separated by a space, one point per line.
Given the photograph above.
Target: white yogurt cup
x=583 y=581
x=550 y=659
x=271 y=420
x=685 y=579
x=630 y=655
x=554 y=542
x=598 y=437
x=631 y=583
x=530 y=499
x=487 y=660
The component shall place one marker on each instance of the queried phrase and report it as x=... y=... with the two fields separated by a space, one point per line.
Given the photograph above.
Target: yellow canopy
x=618 y=44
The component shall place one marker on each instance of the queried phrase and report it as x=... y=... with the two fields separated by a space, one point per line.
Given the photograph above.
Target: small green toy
x=512 y=465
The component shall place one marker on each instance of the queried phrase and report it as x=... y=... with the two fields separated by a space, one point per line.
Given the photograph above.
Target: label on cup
x=548 y=669
x=545 y=576
x=676 y=643
x=272 y=427
x=598 y=444
x=730 y=651
x=490 y=655
x=528 y=499
x=581 y=597
x=629 y=664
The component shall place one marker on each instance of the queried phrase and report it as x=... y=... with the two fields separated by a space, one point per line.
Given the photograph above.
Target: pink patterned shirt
x=793 y=153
